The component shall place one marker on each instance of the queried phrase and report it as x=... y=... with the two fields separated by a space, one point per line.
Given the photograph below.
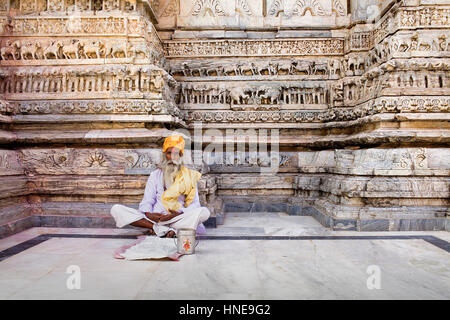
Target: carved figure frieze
x=3 y=6
x=425 y=16
x=79 y=25
x=254 y=47
x=371 y=107
x=276 y=78
x=4 y=107
x=330 y=68
x=29 y=7
x=401 y=74
x=360 y=41
x=411 y=18
x=403 y=45
x=421 y=42
x=77 y=49
x=73 y=79
x=254 y=94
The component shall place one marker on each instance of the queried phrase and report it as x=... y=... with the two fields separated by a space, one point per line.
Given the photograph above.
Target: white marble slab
x=232 y=269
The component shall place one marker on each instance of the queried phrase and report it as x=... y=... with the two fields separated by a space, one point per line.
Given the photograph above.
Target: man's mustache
x=174 y=162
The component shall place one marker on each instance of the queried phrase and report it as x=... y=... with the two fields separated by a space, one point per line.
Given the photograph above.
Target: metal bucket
x=185 y=241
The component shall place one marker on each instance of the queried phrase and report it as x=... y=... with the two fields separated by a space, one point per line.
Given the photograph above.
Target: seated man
x=170 y=199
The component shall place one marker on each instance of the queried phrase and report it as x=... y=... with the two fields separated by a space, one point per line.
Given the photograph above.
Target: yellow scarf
x=185 y=183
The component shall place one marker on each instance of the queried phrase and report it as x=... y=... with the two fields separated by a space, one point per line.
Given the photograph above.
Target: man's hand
x=154 y=216
x=169 y=216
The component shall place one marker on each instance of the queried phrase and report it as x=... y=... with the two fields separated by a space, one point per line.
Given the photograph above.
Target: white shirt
x=151 y=202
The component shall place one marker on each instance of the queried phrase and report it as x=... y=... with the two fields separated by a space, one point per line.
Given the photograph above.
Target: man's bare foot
x=151 y=232
x=170 y=234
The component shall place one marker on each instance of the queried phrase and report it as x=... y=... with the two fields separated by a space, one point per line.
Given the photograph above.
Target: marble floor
x=310 y=264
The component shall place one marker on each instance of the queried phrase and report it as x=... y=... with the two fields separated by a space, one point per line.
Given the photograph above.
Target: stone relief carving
x=371 y=107
x=255 y=94
x=427 y=16
x=95 y=107
x=360 y=41
x=76 y=49
x=411 y=18
x=371 y=71
x=374 y=159
x=325 y=68
x=243 y=8
x=207 y=7
x=79 y=25
x=172 y=8
x=291 y=9
x=276 y=8
x=89 y=161
x=10 y=50
x=141 y=161
x=57 y=160
x=119 y=78
x=97 y=159
x=254 y=47
x=338 y=8
x=301 y=7
x=421 y=42
x=85 y=6
x=398 y=65
x=248 y=159
x=28 y=6
x=3 y=6
x=4 y=161
x=4 y=106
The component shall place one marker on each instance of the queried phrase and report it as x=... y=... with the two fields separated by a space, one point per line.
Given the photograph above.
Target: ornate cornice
x=269 y=47
x=377 y=106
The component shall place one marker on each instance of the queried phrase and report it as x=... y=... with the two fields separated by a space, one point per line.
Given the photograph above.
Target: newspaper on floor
x=149 y=247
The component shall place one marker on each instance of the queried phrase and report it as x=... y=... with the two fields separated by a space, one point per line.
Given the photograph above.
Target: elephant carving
x=238 y=94
x=271 y=93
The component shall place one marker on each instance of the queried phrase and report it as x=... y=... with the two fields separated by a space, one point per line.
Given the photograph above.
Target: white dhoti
x=190 y=219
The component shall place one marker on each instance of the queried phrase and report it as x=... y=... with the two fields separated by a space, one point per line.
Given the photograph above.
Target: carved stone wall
x=377 y=88
x=358 y=96
x=85 y=99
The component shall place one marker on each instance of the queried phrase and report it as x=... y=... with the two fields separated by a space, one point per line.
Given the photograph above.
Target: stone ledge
x=23 y=224
x=401 y=224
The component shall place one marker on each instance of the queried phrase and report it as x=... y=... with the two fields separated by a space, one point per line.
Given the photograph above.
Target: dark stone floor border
x=442 y=244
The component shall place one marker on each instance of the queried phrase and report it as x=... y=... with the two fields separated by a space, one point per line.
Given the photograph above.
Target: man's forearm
x=155 y=217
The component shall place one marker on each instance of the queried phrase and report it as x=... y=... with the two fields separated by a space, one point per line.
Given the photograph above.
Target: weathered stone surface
x=355 y=94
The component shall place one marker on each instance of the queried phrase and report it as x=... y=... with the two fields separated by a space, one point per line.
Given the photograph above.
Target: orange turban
x=174 y=142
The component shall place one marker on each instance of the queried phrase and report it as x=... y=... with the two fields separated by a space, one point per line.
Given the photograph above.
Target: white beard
x=170 y=170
